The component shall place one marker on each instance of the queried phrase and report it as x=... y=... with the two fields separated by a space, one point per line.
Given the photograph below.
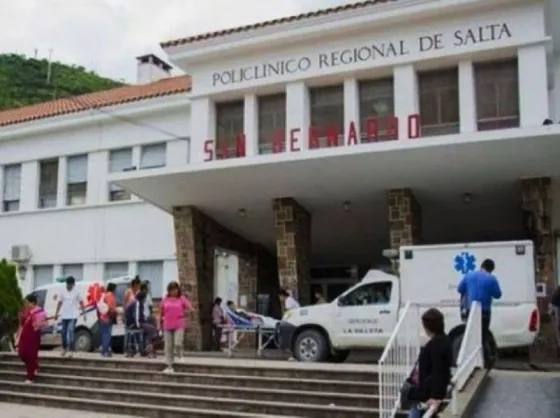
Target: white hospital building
x=296 y=151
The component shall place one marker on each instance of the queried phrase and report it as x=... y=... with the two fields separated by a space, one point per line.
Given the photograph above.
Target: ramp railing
x=471 y=355
x=398 y=358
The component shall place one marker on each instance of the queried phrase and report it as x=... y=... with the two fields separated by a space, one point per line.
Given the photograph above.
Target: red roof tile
x=117 y=96
x=289 y=19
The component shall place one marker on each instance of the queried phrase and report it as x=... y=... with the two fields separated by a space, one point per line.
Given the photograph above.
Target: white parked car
x=365 y=316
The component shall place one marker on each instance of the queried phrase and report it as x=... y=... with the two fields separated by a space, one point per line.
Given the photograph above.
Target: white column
x=177 y=153
x=61 y=186
x=203 y=128
x=57 y=271
x=533 y=85
x=97 y=187
x=1 y=188
x=297 y=116
x=351 y=107
x=132 y=268
x=467 y=98
x=405 y=83
x=251 y=124
x=29 y=185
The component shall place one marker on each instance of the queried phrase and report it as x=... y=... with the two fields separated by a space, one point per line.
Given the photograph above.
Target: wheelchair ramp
x=519 y=394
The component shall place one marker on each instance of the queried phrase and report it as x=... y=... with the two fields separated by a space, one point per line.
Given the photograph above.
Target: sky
x=106 y=35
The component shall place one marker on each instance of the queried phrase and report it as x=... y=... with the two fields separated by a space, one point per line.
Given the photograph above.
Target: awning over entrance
x=239 y=193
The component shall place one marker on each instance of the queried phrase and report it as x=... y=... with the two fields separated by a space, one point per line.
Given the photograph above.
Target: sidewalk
x=25 y=411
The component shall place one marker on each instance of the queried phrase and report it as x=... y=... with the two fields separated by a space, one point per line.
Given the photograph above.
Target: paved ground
x=519 y=394
x=23 y=411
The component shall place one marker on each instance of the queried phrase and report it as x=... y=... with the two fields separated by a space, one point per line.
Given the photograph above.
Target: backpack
x=102 y=306
x=134 y=314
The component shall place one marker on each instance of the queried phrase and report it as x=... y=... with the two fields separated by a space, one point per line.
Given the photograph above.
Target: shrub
x=11 y=300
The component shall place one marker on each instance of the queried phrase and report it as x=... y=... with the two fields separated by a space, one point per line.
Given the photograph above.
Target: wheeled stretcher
x=241 y=325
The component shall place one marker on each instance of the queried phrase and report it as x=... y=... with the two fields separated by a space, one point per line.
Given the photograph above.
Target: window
x=153 y=272
x=327 y=116
x=114 y=270
x=41 y=296
x=119 y=160
x=153 y=156
x=439 y=102
x=272 y=123
x=48 y=183
x=376 y=101
x=74 y=270
x=43 y=275
x=76 y=180
x=12 y=188
x=497 y=95
x=229 y=127
x=368 y=294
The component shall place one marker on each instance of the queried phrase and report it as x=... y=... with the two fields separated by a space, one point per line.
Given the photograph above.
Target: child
x=173 y=309
x=29 y=336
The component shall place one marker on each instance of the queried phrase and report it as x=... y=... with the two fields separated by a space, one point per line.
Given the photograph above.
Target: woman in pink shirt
x=172 y=310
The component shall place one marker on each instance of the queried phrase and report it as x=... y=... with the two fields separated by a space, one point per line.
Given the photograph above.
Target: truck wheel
x=490 y=349
x=456 y=347
x=84 y=341
x=311 y=347
x=339 y=356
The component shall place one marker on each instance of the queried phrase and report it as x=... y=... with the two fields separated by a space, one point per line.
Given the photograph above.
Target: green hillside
x=23 y=81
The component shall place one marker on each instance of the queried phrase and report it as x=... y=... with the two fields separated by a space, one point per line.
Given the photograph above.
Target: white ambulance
x=87 y=335
x=365 y=316
x=87 y=328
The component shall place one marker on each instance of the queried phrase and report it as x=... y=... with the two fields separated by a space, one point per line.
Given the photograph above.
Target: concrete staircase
x=200 y=387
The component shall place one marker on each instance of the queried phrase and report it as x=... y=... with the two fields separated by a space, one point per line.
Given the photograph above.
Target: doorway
x=226 y=276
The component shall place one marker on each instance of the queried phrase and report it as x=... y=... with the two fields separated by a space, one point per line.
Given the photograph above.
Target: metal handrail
x=395 y=332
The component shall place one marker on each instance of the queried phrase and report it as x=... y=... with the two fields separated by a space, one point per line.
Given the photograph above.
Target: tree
x=27 y=81
x=11 y=300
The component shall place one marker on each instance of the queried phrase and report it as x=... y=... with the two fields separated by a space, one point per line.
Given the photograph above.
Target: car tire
x=456 y=347
x=339 y=356
x=84 y=341
x=311 y=347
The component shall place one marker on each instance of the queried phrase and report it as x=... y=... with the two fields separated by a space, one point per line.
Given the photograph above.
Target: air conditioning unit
x=21 y=253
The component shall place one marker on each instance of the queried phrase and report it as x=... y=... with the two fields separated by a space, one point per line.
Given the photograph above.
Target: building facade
x=298 y=150
x=322 y=139
x=60 y=215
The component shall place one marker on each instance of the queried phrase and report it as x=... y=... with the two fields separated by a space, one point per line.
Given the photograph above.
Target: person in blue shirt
x=483 y=287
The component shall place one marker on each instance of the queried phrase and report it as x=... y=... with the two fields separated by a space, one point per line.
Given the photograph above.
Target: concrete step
x=263 y=368
x=196 y=389
x=293 y=408
x=240 y=381
x=122 y=408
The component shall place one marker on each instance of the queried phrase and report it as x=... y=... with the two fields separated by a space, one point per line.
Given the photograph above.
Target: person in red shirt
x=29 y=336
x=107 y=308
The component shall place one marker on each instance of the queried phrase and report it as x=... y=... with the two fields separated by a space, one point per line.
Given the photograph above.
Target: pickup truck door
x=366 y=316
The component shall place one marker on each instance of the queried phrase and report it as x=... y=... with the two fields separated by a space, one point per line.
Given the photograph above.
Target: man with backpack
x=140 y=333
x=107 y=313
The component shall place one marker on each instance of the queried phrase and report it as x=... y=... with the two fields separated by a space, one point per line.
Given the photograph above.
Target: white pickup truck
x=365 y=315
